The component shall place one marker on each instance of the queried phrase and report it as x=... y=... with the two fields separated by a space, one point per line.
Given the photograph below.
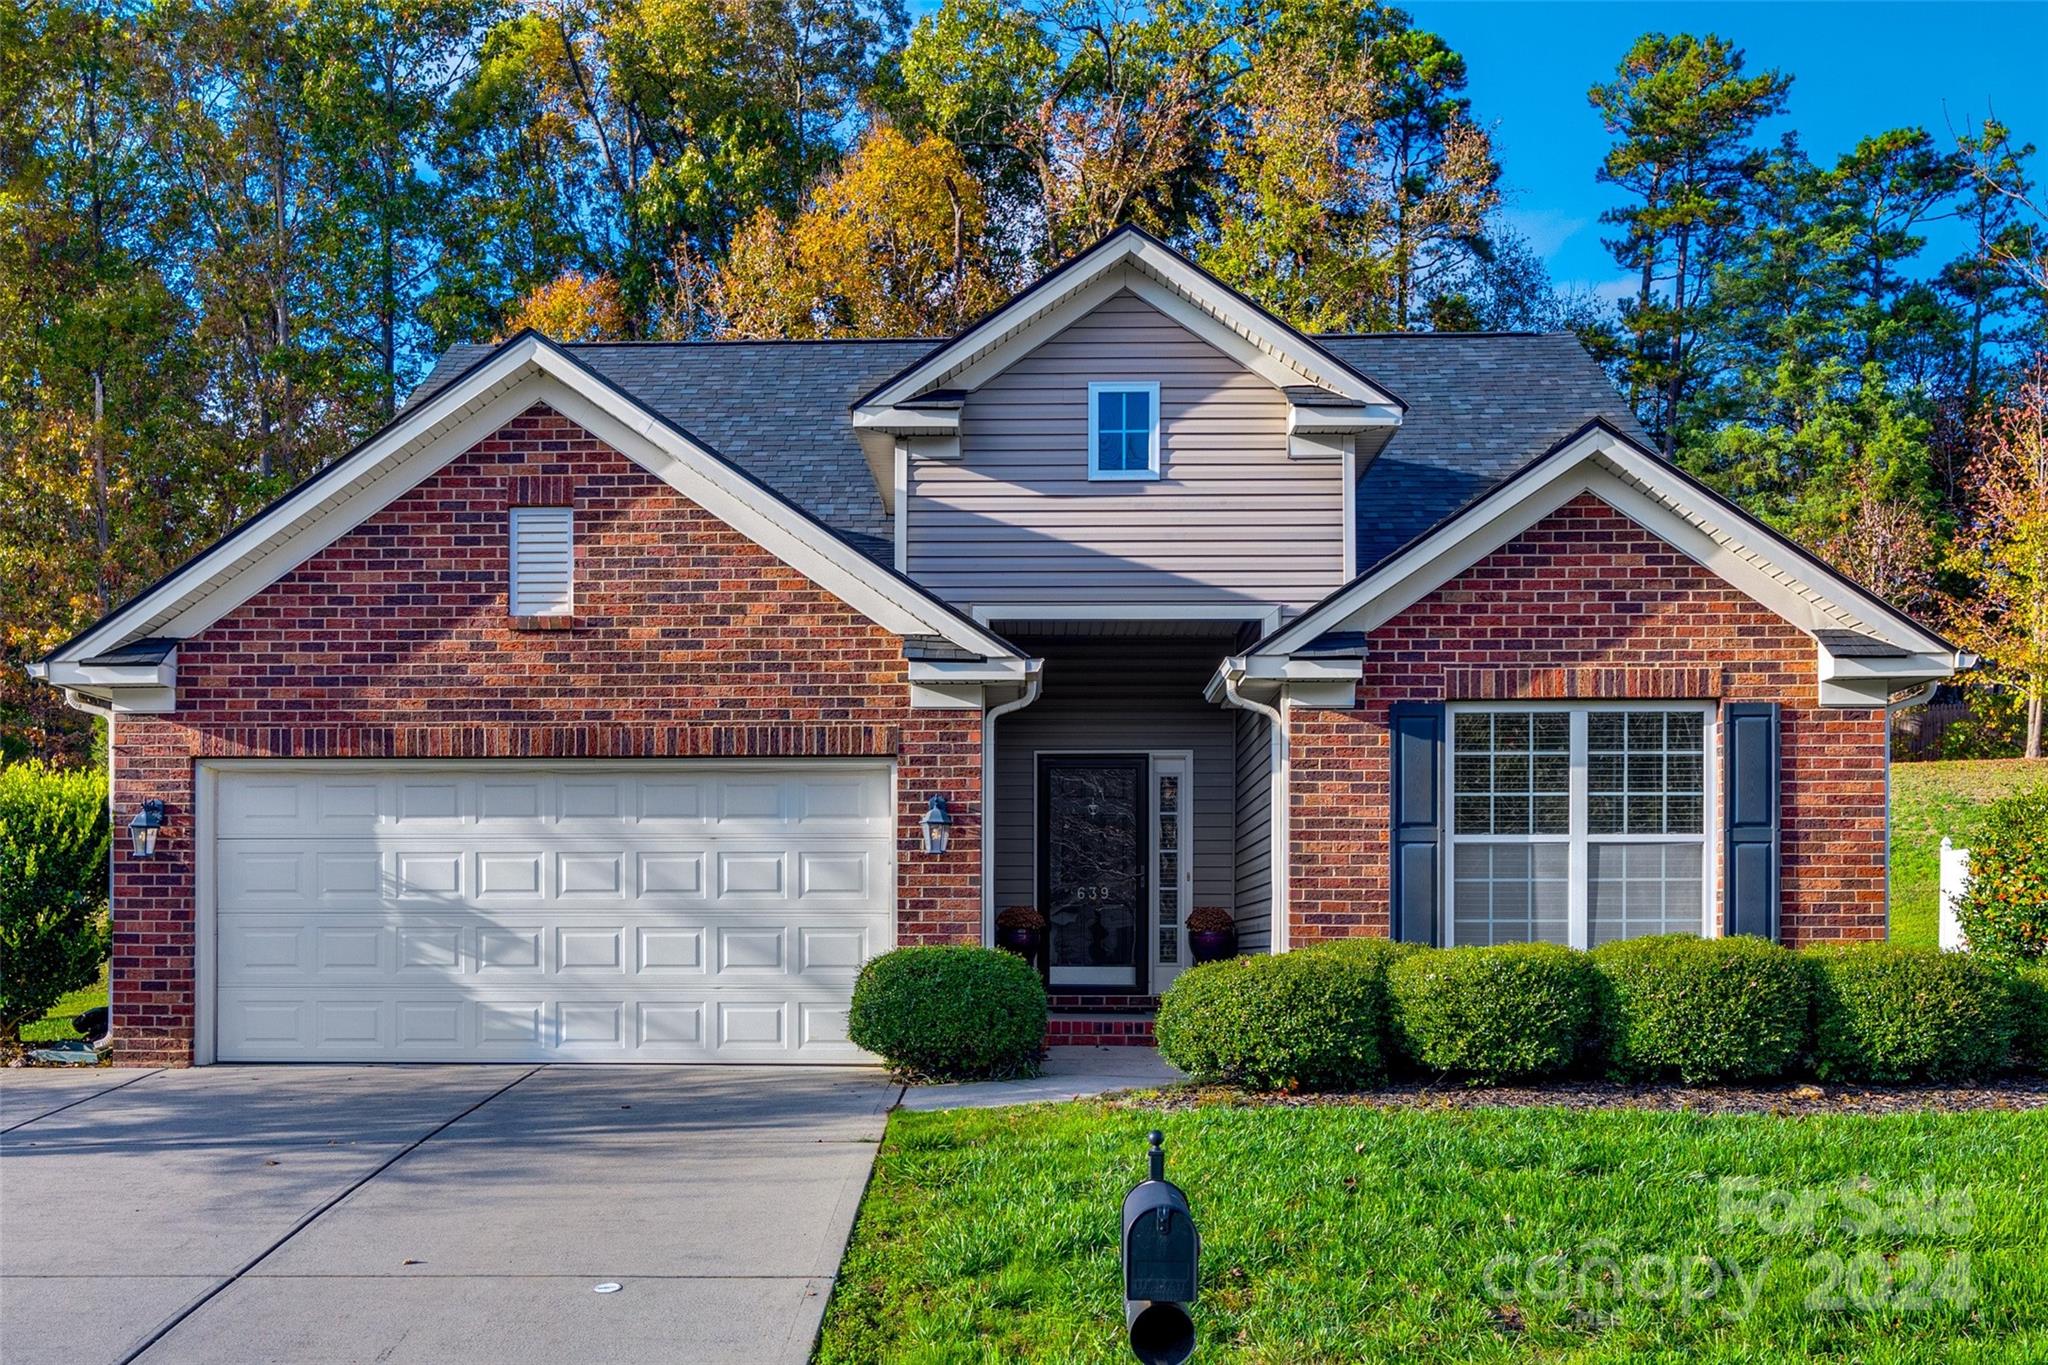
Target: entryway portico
x=1120 y=799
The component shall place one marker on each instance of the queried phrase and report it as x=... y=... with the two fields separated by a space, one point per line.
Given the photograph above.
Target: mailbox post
x=1162 y=1266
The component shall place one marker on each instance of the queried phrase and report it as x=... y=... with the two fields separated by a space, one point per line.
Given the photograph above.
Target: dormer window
x=1123 y=431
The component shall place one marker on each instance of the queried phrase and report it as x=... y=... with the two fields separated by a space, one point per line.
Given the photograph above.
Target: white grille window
x=543 y=561
x=1578 y=825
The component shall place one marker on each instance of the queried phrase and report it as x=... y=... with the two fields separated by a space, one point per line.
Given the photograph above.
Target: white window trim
x=518 y=517
x=1579 y=924
x=1096 y=390
x=1178 y=763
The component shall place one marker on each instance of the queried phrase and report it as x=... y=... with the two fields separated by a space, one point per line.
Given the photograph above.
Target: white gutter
x=1277 y=898
x=1033 y=682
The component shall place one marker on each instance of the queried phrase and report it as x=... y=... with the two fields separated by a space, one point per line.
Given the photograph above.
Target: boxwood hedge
x=946 y=1013
x=1702 y=1009
x=1886 y=1012
x=1313 y=1020
x=1515 y=1011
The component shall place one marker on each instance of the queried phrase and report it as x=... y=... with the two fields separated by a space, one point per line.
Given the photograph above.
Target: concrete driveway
x=330 y=1213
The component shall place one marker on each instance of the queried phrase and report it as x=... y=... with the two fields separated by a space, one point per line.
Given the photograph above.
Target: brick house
x=615 y=702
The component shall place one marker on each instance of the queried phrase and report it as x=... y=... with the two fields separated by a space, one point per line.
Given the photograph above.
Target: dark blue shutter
x=1751 y=826
x=1418 y=817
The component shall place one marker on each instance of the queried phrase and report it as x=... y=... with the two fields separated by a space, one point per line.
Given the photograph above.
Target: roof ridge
x=1436 y=336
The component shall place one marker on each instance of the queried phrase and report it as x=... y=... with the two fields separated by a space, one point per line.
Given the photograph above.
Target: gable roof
x=1480 y=406
x=1130 y=257
x=439 y=424
x=1859 y=635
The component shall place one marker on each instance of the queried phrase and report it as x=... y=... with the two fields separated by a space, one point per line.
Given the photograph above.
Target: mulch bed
x=1788 y=1100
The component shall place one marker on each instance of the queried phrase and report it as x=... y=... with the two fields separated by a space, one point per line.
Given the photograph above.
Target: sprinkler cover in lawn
x=1162 y=1263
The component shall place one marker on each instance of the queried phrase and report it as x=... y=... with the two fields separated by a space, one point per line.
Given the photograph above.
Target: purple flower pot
x=1023 y=942
x=1213 y=945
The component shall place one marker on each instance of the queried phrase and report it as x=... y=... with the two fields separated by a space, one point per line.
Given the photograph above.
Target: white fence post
x=1955 y=879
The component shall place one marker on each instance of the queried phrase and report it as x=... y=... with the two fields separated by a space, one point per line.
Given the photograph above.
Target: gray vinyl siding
x=1254 y=887
x=1230 y=519
x=1119 y=696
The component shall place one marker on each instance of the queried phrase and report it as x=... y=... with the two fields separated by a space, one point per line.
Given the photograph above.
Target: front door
x=1093 y=855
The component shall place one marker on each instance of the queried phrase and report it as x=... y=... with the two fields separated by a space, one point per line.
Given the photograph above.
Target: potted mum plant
x=1021 y=929
x=1212 y=933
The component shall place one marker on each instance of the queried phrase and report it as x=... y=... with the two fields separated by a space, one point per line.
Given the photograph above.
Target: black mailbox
x=1162 y=1266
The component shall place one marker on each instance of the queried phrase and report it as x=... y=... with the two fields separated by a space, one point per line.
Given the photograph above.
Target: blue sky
x=1858 y=68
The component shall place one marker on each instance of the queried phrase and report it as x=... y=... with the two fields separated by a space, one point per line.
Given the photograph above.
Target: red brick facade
x=1589 y=604
x=689 y=640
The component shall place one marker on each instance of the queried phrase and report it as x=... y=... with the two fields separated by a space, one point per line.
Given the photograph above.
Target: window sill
x=541 y=622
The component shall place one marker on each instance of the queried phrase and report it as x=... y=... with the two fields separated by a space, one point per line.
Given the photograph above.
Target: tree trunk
x=1676 y=384
x=2034 y=717
x=99 y=488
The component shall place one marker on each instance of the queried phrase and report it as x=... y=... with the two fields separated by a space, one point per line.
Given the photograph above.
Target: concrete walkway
x=1070 y=1073
x=445 y=1214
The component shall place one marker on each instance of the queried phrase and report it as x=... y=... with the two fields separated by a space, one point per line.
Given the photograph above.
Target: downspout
x=1919 y=696
x=1032 y=683
x=1277 y=931
x=93 y=707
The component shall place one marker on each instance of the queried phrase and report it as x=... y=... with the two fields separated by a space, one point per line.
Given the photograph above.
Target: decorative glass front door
x=1093 y=848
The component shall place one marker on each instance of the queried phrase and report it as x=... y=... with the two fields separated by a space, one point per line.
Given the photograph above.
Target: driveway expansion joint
x=165 y=1328
x=82 y=1099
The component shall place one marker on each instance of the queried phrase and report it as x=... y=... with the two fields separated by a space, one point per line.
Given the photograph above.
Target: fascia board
x=1900 y=672
x=1298 y=355
x=1833 y=597
x=1161 y=279
x=1307 y=418
x=996 y=343
x=1287 y=668
x=329 y=522
x=965 y=671
x=1630 y=483
x=98 y=676
x=906 y=421
x=524 y=372
x=417 y=427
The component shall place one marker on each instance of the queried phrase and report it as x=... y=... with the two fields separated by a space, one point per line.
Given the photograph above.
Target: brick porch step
x=1076 y=1029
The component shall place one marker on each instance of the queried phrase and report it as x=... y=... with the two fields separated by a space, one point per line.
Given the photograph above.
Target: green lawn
x=1928 y=801
x=1349 y=1233
x=55 y=1027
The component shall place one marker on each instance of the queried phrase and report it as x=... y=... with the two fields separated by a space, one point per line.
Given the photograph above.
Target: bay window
x=1578 y=824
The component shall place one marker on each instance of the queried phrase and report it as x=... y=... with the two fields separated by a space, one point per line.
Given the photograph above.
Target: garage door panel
x=608 y=913
x=367 y=873
x=274 y=949
x=343 y=1026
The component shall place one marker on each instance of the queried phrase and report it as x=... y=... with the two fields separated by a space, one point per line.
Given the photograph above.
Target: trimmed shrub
x=2030 y=1016
x=1704 y=1009
x=1312 y=1020
x=2004 y=913
x=1511 y=1012
x=53 y=887
x=943 y=1013
x=1886 y=1012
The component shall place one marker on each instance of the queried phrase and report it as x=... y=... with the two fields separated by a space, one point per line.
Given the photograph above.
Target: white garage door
x=594 y=913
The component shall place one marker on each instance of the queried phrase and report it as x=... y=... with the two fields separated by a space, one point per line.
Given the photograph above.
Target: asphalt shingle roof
x=1480 y=405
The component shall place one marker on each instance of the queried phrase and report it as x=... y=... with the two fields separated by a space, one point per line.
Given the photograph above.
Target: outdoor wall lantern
x=142 y=829
x=938 y=824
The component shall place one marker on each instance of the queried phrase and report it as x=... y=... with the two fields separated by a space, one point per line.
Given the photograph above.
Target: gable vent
x=543 y=561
